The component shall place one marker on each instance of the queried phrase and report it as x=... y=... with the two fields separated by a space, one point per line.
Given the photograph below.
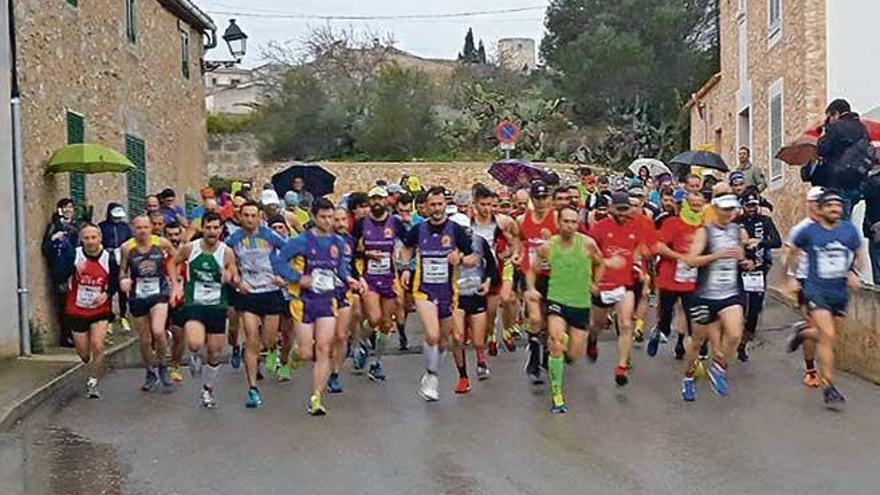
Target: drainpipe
x=24 y=328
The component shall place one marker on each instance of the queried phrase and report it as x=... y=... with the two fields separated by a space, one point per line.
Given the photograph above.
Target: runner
x=374 y=239
x=88 y=304
x=348 y=302
x=320 y=254
x=644 y=218
x=404 y=213
x=575 y=262
x=259 y=297
x=210 y=266
x=233 y=317
x=717 y=312
x=439 y=246
x=834 y=258
x=285 y=326
x=145 y=277
x=174 y=233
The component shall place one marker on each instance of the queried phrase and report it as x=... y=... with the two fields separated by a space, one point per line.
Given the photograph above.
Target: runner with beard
x=174 y=233
x=347 y=300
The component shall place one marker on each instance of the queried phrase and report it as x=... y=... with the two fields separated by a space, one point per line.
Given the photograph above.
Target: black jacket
x=837 y=139
x=60 y=252
x=113 y=234
x=761 y=227
x=871 y=193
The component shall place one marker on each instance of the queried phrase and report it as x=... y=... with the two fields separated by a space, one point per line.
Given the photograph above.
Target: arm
x=531 y=274
x=171 y=254
x=113 y=283
x=491 y=271
x=124 y=280
x=465 y=245
x=592 y=250
x=230 y=273
x=772 y=240
x=695 y=256
x=281 y=259
x=510 y=228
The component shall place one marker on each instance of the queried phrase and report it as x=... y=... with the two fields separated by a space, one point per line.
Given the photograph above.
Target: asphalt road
x=770 y=436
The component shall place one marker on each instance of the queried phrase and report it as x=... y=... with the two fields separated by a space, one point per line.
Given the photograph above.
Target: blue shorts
x=829 y=302
x=445 y=302
x=309 y=309
x=386 y=287
x=141 y=307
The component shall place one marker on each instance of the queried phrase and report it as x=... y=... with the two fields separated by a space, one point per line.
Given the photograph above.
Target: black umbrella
x=318 y=180
x=705 y=159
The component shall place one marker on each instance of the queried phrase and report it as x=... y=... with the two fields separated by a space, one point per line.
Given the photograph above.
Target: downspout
x=24 y=328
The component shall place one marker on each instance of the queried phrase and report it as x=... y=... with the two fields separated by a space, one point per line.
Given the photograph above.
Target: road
x=770 y=436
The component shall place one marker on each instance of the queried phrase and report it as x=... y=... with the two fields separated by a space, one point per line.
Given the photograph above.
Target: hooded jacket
x=113 y=234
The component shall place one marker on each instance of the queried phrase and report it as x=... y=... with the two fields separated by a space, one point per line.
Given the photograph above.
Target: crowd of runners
x=269 y=284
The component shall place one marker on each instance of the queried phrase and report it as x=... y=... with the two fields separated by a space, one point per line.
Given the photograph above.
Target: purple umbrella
x=508 y=172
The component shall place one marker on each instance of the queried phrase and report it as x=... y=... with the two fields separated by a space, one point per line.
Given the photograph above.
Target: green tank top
x=204 y=281
x=571 y=273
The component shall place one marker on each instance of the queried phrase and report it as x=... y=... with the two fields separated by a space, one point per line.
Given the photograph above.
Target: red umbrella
x=802 y=150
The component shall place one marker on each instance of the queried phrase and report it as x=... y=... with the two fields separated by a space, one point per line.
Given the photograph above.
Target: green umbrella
x=88 y=159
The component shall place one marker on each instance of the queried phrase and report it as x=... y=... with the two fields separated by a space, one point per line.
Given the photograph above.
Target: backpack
x=855 y=162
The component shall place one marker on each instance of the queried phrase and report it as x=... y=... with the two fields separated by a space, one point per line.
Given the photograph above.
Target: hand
x=533 y=296
x=363 y=286
x=484 y=289
x=177 y=293
x=516 y=259
x=58 y=235
x=594 y=289
x=101 y=299
x=280 y=282
x=791 y=288
x=752 y=243
x=125 y=285
x=454 y=258
x=374 y=255
x=747 y=265
x=244 y=288
x=353 y=284
x=227 y=277
x=405 y=278
x=305 y=281
x=736 y=253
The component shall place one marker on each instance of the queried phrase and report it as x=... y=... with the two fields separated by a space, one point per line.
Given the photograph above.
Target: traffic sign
x=507 y=132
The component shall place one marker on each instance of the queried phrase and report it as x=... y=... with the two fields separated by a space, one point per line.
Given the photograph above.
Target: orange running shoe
x=811 y=379
x=464 y=386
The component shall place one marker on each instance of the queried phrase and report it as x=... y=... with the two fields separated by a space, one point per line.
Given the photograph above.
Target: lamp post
x=236 y=41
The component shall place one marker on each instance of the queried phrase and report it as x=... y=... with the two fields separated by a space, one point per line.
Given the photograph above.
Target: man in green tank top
x=575 y=263
x=210 y=264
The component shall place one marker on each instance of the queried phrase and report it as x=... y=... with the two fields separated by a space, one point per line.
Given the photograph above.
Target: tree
x=469 y=55
x=481 y=53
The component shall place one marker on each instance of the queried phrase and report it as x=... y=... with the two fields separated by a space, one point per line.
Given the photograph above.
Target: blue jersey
x=256 y=256
x=830 y=254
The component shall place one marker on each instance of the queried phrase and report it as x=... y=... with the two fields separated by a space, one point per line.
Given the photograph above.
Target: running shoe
x=653 y=343
x=359 y=361
x=151 y=382
x=718 y=379
x=195 y=365
x=272 y=361
x=679 y=350
x=592 y=348
x=464 y=385
x=295 y=360
x=175 y=373
x=510 y=342
x=834 y=400
x=284 y=373
x=621 y=376
x=638 y=336
x=403 y=342
x=208 y=401
x=315 y=407
x=742 y=354
x=165 y=378
x=125 y=324
x=429 y=388
x=533 y=371
x=811 y=379
x=704 y=351
x=235 y=359
x=334 y=384
x=254 y=398
x=483 y=372
x=493 y=348
x=688 y=389
x=92 y=388
x=376 y=373
x=664 y=339
x=557 y=405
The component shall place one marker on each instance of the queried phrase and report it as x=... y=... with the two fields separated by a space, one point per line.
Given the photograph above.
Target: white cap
x=726 y=201
x=117 y=212
x=815 y=193
x=451 y=209
x=378 y=191
x=269 y=197
x=461 y=219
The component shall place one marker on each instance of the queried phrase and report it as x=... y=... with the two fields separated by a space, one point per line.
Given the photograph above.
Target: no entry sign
x=507 y=132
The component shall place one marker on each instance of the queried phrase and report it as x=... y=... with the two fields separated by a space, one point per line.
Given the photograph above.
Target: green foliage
x=469 y=54
x=229 y=124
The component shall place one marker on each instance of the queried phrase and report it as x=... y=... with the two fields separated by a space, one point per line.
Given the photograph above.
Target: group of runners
x=550 y=266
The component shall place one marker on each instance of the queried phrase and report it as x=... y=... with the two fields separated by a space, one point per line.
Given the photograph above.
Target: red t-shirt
x=535 y=234
x=678 y=236
x=620 y=241
x=89 y=283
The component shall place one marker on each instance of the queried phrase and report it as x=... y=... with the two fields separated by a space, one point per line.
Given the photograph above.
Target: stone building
x=122 y=73
x=517 y=54
x=782 y=61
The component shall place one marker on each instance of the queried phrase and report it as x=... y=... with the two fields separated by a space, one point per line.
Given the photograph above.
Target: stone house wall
x=79 y=59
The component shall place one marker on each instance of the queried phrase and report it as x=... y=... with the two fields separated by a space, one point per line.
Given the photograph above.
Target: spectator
x=173 y=213
x=59 y=248
x=297 y=217
x=871 y=224
x=115 y=230
x=842 y=132
x=752 y=174
x=199 y=211
x=305 y=198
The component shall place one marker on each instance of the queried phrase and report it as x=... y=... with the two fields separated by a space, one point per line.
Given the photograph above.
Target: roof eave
x=187 y=11
x=703 y=91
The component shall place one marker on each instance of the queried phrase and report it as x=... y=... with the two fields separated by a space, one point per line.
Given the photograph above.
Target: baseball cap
x=395 y=189
x=726 y=201
x=830 y=196
x=679 y=195
x=737 y=178
x=620 y=198
x=539 y=189
x=269 y=197
x=275 y=219
x=117 y=212
x=462 y=197
x=637 y=191
x=751 y=199
x=291 y=198
x=815 y=193
x=378 y=192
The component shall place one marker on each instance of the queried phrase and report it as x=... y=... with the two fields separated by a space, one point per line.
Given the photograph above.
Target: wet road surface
x=770 y=436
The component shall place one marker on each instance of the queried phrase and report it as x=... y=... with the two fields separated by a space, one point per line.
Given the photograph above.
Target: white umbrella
x=655 y=166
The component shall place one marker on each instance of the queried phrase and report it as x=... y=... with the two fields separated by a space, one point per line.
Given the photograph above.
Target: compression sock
x=462 y=369
x=212 y=371
x=432 y=358
x=557 y=368
x=381 y=341
x=810 y=364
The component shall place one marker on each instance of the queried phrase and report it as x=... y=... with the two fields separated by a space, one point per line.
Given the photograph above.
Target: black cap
x=275 y=219
x=539 y=189
x=620 y=198
x=750 y=199
x=830 y=196
x=601 y=201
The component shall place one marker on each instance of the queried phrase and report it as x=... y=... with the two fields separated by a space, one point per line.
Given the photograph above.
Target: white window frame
x=742 y=8
x=775 y=182
x=774 y=29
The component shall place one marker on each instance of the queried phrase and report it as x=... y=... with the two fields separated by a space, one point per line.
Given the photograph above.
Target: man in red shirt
x=644 y=219
x=622 y=245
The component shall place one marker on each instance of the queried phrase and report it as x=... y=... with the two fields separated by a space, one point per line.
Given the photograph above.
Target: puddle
x=62 y=462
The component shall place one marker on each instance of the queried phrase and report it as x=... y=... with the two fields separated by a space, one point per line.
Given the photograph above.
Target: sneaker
x=510 y=343
x=195 y=365
x=464 y=386
x=272 y=361
x=688 y=390
x=175 y=374
x=376 y=373
x=663 y=338
x=834 y=400
x=284 y=373
x=165 y=378
x=718 y=379
x=533 y=370
x=402 y=342
x=315 y=407
x=92 y=388
x=151 y=382
x=742 y=354
x=359 y=361
x=235 y=359
x=621 y=376
x=700 y=370
x=704 y=351
x=483 y=372
x=254 y=398
x=679 y=350
x=592 y=349
x=208 y=401
x=639 y=336
x=295 y=361
x=429 y=388
x=334 y=385
x=493 y=348
x=811 y=379
x=125 y=324
x=653 y=343
x=557 y=405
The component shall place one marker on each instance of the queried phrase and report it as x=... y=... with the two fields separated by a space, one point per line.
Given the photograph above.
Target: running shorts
x=83 y=325
x=472 y=305
x=214 y=319
x=578 y=318
x=706 y=311
x=833 y=303
x=141 y=307
x=308 y=310
x=597 y=299
x=262 y=303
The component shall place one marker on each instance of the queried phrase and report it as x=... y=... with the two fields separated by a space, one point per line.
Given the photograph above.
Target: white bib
x=207 y=293
x=435 y=270
x=832 y=264
x=87 y=296
x=683 y=273
x=147 y=287
x=381 y=266
x=612 y=296
x=753 y=281
x=323 y=280
x=721 y=277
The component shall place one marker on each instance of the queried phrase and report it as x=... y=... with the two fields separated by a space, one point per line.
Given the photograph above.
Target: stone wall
x=79 y=59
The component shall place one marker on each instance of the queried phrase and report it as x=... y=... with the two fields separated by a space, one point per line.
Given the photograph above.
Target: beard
x=377 y=210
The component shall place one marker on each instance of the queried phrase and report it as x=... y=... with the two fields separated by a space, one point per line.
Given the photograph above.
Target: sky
x=434 y=38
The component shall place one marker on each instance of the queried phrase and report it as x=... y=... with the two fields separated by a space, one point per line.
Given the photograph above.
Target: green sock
x=557 y=367
x=381 y=341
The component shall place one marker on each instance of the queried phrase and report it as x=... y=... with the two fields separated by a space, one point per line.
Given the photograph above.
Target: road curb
x=63 y=386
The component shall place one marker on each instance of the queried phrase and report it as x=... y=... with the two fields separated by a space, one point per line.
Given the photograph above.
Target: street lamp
x=236 y=41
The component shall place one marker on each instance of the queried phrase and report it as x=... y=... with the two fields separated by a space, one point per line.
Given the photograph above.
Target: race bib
x=721 y=277
x=753 y=281
x=323 y=280
x=207 y=293
x=612 y=296
x=685 y=274
x=87 y=296
x=832 y=264
x=381 y=266
x=147 y=287
x=435 y=270
x=469 y=285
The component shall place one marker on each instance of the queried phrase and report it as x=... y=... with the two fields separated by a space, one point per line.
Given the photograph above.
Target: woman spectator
x=59 y=247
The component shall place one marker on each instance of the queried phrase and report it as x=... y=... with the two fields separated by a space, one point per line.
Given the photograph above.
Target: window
x=213 y=81
x=774 y=19
x=74 y=3
x=184 y=54
x=234 y=82
x=130 y=22
x=76 y=134
x=136 y=180
x=776 y=124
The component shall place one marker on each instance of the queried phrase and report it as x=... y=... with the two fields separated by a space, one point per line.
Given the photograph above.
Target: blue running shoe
x=653 y=343
x=254 y=399
x=235 y=360
x=834 y=400
x=334 y=385
x=376 y=373
x=151 y=382
x=688 y=390
x=718 y=379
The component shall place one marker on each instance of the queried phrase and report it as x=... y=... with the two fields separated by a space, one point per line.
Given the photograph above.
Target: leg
x=252 y=346
x=731 y=319
x=178 y=345
x=141 y=325
x=97 y=334
x=665 y=311
x=343 y=324
x=388 y=308
x=458 y=332
x=427 y=312
x=480 y=323
x=285 y=328
x=233 y=327
x=625 y=325
x=325 y=331
x=82 y=343
x=824 y=321
x=158 y=321
x=270 y=332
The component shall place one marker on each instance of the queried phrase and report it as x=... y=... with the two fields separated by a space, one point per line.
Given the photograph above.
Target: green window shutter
x=136 y=180
x=130 y=22
x=76 y=134
x=75 y=3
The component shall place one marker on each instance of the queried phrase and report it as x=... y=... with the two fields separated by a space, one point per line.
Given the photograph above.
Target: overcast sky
x=440 y=38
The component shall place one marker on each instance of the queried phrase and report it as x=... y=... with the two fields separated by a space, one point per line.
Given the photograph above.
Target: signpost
x=507 y=132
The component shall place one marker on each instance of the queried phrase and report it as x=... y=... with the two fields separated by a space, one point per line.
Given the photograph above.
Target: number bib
x=87 y=296
x=612 y=296
x=147 y=287
x=323 y=280
x=832 y=264
x=469 y=285
x=381 y=266
x=435 y=270
x=721 y=277
x=685 y=274
x=207 y=293
x=753 y=281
